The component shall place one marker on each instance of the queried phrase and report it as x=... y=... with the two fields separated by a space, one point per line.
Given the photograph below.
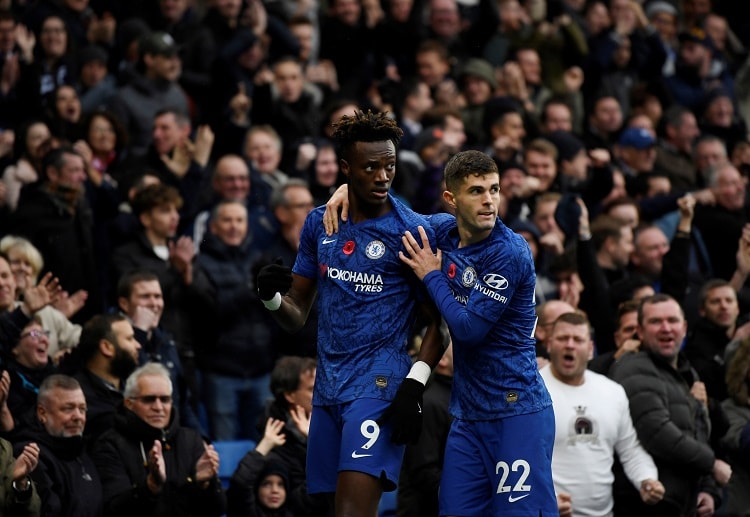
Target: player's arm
x=405 y=410
x=291 y=309
x=465 y=326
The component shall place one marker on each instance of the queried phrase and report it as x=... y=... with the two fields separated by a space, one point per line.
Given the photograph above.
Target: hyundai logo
x=495 y=281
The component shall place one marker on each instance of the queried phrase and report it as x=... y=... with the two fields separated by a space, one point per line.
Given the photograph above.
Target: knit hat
x=480 y=68
x=660 y=6
x=567 y=144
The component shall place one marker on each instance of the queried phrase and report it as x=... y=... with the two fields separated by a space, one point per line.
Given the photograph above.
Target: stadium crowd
x=155 y=155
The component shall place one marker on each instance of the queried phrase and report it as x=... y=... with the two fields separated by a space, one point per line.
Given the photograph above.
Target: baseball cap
x=157 y=43
x=427 y=137
x=696 y=35
x=638 y=138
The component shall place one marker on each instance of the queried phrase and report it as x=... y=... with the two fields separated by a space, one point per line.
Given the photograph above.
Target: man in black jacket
x=66 y=478
x=669 y=408
x=149 y=465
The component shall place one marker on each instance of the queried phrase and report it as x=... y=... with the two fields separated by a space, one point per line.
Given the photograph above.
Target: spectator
x=28 y=366
x=148 y=463
x=291 y=105
x=25 y=263
x=478 y=83
x=721 y=224
x=625 y=338
x=107 y=139
x=674 y=152
x=19 y=496
x=232 y=180
x=669 y=410
x=156 y=249
x=105 y=357
x=708 y=151
x=140 y=299
x=56 y=217
x=263 y=149
x=175 y=158
x=290 y=204
x=636 y=152
x=51 y=64
x=547 y=313
x=153 y=88
x=63 y=460
x=260 y=487
x=63 y=110
x=707 y=338
x=604 y=123
x=29 y=146
x=195 y=45
x=240 y=355
x=592 y=426
x=734 y=441
x=96 y=86
x=696 y=69
x=288 y=415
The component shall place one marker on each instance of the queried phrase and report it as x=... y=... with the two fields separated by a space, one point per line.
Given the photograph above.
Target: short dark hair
x=573 y=318
x=154 y=196
x=285 y=375
x=56 y=158
x=365 y=127
x=653 y=300
x=605 y=227
x=97 y=328
x=466 y=163
x=710 y=285
x=128 y=280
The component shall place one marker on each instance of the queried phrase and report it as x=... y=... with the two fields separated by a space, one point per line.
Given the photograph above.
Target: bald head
x=231 y=178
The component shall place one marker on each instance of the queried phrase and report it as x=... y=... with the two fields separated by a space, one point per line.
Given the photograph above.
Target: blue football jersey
x=366 y=302
x=494 y=280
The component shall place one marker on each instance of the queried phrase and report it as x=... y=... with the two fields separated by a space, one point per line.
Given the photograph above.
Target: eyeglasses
x=151 y=399
x=35 y=334
x=298 y=206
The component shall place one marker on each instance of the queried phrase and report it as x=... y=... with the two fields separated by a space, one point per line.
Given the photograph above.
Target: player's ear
x=448 y=198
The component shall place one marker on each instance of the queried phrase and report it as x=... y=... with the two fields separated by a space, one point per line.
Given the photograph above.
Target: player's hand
x=273 y=278
x=420 y=258
x=339 y=200
x=405 y=412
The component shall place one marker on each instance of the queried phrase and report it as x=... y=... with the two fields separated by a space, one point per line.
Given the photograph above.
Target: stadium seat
x=230 y=454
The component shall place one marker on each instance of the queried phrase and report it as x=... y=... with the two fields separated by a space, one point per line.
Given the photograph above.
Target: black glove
x=405 y=412
x=273 y=278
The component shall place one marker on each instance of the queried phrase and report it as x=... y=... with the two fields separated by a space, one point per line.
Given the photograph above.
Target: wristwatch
x=25 y=487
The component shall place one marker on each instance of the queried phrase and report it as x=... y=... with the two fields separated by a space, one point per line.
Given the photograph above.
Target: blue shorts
x=346 y=437
x=500 y=467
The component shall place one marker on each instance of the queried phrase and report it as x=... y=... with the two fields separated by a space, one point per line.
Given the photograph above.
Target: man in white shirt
x=592 y=422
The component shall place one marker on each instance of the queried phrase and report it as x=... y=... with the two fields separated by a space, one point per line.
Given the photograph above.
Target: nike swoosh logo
x=328 y=241
x=512 y=499
x=355 y=455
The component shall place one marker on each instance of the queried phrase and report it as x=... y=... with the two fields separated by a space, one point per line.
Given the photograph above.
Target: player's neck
x=468 y=236
x=360 y=211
